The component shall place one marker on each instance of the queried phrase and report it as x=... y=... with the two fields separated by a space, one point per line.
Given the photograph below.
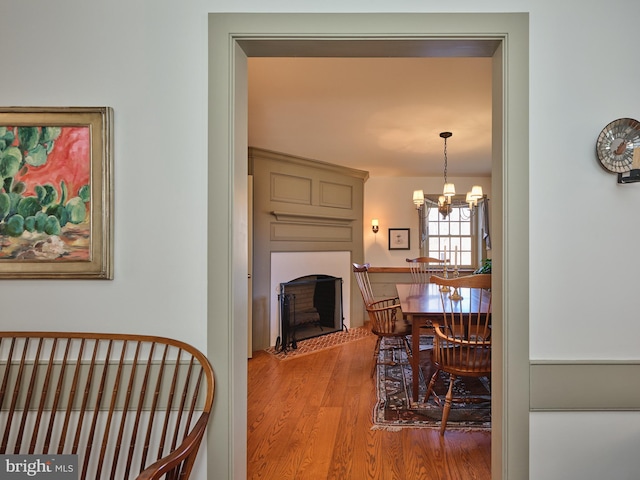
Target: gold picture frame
x=56 y=193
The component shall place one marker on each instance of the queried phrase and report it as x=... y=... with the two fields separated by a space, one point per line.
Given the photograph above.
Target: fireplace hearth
x=310 y=306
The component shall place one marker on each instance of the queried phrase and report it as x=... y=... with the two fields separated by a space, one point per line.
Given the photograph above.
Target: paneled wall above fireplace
x=301 y=205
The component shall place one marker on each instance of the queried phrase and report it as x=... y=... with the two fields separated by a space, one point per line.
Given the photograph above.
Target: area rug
x=395 y=408
x=315 y=344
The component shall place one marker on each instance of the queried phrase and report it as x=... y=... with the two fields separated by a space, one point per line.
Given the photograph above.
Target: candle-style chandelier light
x=445 y=201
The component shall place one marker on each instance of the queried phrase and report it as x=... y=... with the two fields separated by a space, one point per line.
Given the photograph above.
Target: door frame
x=235 y=36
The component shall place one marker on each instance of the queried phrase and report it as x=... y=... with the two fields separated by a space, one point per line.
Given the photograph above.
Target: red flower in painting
x=69 y=161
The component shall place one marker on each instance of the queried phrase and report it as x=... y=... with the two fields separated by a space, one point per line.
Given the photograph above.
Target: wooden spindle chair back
x=422 y=268
x=361 y=272
x=129 y=406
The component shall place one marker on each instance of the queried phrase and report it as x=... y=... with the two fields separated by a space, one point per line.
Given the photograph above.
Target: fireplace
x=310 y=306
x=287 y=266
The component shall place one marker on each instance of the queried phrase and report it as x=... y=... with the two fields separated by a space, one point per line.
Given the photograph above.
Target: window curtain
x=486 y=236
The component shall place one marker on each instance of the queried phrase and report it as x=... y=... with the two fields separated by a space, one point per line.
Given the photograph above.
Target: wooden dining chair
x=385 y=315
x=462 y=342
x=422 y=268
x=388 y=322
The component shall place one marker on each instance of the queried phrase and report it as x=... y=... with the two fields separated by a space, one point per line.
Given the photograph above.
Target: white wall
x=390 y=200
x=148 y=60
x=112 y=54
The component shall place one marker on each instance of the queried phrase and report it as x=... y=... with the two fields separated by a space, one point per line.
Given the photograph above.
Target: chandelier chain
x=445 y=160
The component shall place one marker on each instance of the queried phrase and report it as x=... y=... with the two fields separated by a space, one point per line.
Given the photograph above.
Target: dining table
x=420 y=304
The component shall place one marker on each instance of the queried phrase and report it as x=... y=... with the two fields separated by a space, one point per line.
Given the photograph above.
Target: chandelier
x=446 y=200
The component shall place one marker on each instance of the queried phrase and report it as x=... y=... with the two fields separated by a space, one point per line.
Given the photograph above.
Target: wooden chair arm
x=185 y=452
x=386 y=304
x=389 y=300
x=456 y=340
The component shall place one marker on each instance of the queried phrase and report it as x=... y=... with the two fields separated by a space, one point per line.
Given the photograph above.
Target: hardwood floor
x=310 y=418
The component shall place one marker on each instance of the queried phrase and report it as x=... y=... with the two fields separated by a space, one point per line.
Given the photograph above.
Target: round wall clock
x=616 y=143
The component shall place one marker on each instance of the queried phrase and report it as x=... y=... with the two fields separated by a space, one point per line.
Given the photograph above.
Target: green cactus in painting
x=49 y=209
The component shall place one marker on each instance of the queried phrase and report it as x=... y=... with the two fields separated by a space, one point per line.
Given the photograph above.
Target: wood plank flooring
x=310 y=418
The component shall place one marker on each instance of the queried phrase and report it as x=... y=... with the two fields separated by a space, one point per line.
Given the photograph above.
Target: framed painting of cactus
x=56 y=195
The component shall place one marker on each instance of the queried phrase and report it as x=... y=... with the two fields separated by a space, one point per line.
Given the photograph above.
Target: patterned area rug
x=311 y=345
x=395 y=408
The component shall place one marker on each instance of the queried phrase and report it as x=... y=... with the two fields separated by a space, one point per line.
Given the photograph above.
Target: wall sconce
x=374 y=225
x=418 y=198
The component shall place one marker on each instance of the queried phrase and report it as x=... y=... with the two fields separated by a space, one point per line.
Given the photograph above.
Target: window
x=460 y=231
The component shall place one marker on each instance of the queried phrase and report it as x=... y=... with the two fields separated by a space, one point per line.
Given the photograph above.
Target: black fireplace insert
x=310 y=306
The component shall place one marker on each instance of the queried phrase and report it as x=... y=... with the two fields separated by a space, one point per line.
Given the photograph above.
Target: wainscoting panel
x=384 y=284
x=290 y=189
x=336 y=195
x=587 y=385
x=310 y=233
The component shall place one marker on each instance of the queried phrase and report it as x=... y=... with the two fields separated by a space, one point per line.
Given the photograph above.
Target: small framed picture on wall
x=399 y=239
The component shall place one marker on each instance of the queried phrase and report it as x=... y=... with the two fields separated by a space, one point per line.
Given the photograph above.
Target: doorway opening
x=306 y=34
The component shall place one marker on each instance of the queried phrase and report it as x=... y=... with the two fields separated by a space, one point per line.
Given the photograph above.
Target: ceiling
x=382 y=115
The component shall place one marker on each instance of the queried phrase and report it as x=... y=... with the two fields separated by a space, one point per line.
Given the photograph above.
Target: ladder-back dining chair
x=423 y=267
x=462 y=341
